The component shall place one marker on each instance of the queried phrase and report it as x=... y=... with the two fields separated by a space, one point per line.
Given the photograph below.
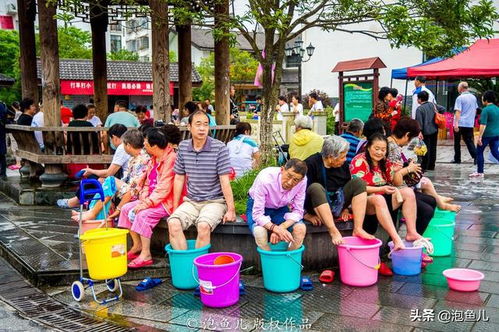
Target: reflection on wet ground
x=43 y=237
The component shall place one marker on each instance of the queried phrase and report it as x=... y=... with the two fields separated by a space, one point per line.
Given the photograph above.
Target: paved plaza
x=398 y=303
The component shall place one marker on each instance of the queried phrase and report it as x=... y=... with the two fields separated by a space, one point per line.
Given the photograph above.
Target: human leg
x=181 y=219
x=442 y=203
x=409 y=211
x=479 y=155
x=210 y=215
x=124 y=221
x=144 y=223
x=426 y=205
x=356 y=195
x=261 y=237
x=299 y=231
x=432 y=151
x=468 y=138
x=457 y=146
x=379 y=203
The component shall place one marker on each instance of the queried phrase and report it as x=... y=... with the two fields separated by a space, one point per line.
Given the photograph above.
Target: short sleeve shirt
x=203 y=168
x=359 y=168
x=121 y=158
x=490 y=118
x=466 y=103
x=124 y=118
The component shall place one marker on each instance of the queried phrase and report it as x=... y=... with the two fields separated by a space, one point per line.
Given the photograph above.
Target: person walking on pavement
x=425 y=115
x=489 y=131
x=420 y=84
x=464 y=119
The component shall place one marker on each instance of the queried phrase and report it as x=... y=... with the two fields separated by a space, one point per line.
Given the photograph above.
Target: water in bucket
x=218 y=283
x=406 y=262
x=181 y=263
x=359 y=261
x=441 y=233
x=281 y=268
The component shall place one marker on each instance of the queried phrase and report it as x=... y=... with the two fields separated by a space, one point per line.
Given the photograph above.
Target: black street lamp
x=295 y=57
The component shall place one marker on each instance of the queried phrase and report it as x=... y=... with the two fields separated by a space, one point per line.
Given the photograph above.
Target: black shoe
x=455 y=162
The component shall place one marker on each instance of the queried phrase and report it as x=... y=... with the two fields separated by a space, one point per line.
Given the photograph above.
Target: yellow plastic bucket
x=105 y=250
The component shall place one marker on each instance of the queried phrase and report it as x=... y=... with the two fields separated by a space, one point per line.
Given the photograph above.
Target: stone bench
x=235 y=237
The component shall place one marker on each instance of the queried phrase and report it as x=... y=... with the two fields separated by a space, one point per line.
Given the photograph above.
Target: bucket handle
x=452 y=238
x=376 y=267
x=222 y=285
x=294 y=260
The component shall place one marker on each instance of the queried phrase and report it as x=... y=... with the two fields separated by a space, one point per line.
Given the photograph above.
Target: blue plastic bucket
x=406 y=262
x=181 y=263
x=281 y=268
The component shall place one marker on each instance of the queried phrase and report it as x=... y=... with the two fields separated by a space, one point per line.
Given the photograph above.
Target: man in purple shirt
x=275 y=204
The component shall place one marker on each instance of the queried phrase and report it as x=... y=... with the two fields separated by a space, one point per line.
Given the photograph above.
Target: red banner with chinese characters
x=120 y=88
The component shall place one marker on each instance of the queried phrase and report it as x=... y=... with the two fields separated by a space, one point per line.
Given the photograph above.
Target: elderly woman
x=156 y=194
x=304 y=142
x=384 y=198
x=243 y=150
x=331 y=190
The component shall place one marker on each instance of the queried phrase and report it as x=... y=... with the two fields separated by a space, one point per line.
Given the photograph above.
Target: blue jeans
x=493 y=142
x=276 y=215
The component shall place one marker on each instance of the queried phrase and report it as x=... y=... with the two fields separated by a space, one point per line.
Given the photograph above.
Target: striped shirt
x=203 y=168
x=354 y=142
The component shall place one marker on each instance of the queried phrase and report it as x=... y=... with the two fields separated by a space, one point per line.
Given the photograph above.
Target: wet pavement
x=415 y=303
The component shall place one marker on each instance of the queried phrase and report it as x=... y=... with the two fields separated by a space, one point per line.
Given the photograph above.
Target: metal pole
x=299 y=80
x=405 y=94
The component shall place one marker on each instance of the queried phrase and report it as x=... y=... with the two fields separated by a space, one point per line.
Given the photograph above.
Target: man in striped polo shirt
x=354 y=131
x=204 y=163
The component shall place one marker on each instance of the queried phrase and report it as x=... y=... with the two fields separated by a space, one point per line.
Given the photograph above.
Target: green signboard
x=357 y=100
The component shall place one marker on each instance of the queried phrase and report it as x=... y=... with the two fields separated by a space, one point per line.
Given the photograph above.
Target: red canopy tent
x=480 y=60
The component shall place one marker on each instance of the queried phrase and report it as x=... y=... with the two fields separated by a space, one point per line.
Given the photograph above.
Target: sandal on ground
x=384 y=270
x=306 y=284
x=131 y=255
x=147 y=284
x=326 y=276
x=14 y=167
x=425 y=243
x=138 y=263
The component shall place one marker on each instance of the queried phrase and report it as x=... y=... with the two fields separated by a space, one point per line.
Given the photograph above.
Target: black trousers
x=430 y=157
x=467 y=135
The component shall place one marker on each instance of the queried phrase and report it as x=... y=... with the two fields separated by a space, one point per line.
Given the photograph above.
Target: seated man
x=275 y=204
x=330 y=190
x=305 y=142
x=206 y=164
x=352 y=135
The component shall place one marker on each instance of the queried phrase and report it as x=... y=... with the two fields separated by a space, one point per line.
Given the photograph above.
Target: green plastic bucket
x=281 y=268
x=441 y=233
x=444 y=214
x=181 y=263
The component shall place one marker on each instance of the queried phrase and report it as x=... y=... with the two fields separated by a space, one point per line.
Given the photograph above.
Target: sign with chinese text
x=120 y=88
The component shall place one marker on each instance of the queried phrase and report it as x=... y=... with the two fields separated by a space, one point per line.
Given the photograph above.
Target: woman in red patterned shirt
x=384 y=198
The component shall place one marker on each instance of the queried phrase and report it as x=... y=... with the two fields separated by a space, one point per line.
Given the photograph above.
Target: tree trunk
x=49 y=54
x=98 y=24
x=184 y=64
x=222 y=63
x=29 y=81
x=160 y=60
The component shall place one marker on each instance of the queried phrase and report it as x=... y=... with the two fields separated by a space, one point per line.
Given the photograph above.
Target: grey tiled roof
x=6 y=80
x=81 y=69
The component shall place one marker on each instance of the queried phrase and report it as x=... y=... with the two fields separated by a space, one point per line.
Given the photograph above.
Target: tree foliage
x=123 y=55
x=243 y=67
x=74 y=43
x=9 y=64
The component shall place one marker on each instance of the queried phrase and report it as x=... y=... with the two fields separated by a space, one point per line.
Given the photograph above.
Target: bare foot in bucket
x=412 y=236
x=362 y=234
x=87 y=215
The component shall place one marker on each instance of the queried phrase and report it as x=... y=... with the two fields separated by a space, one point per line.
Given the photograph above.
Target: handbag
x=440 y=120
x=413 y=178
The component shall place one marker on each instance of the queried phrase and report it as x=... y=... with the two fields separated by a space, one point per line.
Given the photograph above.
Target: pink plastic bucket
x=359 y=261
x=218 y=284
x=463 y=280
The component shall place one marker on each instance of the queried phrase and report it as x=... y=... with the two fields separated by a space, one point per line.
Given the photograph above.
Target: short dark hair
x=15 y=104
x=140 y=109
x=394 y=92
x=373 y=126
x=297 y=98
x=241 y=127
x=191 y=107
x=283 y=98
x=313 y=95
x=117 y=130
x=383 y=92
x=489 y=96
x=355 y=126
x=196 y=112
x=123 y=104
x=80 y=111
x=26 y=104
x=299 y=166
x=258 y=97
x=156 y=136
x=89 y=106
x=172 y=133
x=407 y=125
x=422 y=79
x=145 y=127
x=423 y=95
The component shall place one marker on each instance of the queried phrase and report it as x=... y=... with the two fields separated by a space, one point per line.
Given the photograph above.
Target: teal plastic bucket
x=441 y=233
x=444 y=214
x=181 y=264
x=281 y=268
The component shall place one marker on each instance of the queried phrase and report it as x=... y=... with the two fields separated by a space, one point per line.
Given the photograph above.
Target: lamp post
x=295 y=57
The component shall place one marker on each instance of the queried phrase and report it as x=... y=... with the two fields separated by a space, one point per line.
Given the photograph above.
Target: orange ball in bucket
x=223 y=259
